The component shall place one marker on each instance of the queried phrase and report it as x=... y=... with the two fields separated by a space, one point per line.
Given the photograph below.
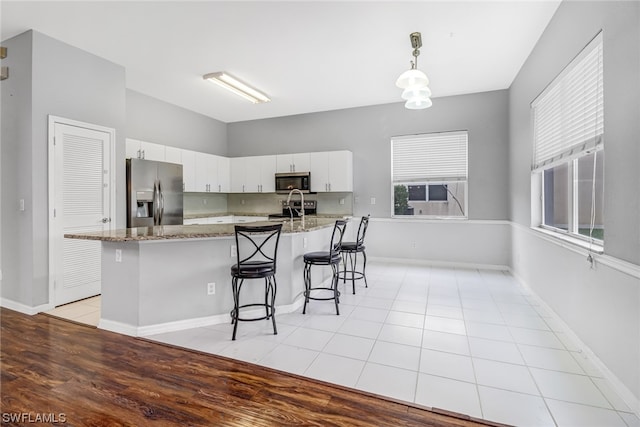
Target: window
x=429 y=175
x=568 y=160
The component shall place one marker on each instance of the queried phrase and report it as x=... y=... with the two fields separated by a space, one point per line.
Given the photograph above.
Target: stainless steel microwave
x=285 y=182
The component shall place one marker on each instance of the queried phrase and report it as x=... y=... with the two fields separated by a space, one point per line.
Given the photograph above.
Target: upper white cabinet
x=254 y=174
x=172 y=155
x=204 y=173
x=188 y=158
x=298 y=162
x=212 y=173
x=331 y=171
x=208 y=173
x=144 y=150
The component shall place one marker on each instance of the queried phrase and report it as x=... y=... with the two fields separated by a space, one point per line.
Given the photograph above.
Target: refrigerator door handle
x=156 y=202
x=161 y=207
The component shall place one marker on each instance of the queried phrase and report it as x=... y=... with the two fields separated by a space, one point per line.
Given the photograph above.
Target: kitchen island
x=156 y=279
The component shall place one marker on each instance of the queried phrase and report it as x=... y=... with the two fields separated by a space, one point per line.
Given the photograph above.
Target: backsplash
x=328 y=203
x=205 y=203
x=267 y=203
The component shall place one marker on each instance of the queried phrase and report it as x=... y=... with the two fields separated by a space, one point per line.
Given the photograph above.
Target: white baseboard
x=618 y=386
x=429 y=263
x=180 y=325
x=24 y=309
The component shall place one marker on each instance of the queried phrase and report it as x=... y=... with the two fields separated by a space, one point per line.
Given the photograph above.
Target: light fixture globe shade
x=412 y=78
x=421 y=92
x=418 y=103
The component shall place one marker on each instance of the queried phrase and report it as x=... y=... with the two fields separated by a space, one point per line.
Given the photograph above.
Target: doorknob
x=105 y=220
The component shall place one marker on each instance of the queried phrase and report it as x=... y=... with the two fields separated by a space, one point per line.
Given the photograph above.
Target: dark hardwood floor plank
x=99 y=378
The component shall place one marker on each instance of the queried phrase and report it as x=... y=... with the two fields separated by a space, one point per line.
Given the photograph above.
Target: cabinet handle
x=329 y=186
x=243 y=188
x=219 y=188
x=294 y=167
x=139 y=154
x=143 y=154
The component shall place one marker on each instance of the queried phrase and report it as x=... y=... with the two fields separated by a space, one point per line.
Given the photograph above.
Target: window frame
x=573 y=227
x=568 y=151
x=429 y=182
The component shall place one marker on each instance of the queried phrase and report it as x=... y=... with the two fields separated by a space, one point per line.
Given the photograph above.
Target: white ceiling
x=306 y=55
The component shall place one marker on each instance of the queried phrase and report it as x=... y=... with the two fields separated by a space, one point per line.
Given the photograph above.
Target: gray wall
x=565 y=36
x=152 y=120
x=601 y=305
x=63 y=81
x=17 y=231
x=366 y=131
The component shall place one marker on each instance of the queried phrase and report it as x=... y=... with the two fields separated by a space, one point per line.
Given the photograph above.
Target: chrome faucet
x=301 y=214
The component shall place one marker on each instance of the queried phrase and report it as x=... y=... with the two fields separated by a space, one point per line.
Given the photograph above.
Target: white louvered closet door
x=82 y=204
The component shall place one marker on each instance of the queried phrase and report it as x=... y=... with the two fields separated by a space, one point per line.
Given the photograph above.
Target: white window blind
x=430 y=157
x=568 y=115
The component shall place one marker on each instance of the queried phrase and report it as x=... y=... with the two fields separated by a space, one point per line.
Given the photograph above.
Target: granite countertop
x=175 y=232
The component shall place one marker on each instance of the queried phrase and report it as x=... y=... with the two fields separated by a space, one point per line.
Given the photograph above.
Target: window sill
x=575 y=242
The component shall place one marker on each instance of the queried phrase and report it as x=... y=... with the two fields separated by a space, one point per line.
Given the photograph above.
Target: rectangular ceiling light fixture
x=236 y=86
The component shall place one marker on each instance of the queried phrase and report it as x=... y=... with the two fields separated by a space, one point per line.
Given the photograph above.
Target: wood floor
x=89 y=377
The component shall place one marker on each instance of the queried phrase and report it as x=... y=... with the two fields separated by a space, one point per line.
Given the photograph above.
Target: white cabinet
x=144 y=150
x=297 y=162
x=331 y=171
x=254 y=174
x=211 y=173
x=172 y=155
x=189 y=169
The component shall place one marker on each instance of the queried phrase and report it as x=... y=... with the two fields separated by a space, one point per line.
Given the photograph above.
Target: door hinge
x=54 y=140
x=54 y=212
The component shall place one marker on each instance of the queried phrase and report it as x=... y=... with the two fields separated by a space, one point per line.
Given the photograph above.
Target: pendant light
x=415 y=82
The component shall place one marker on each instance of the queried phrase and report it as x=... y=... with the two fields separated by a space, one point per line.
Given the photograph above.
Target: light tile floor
x=470 y=341
x=85 y=311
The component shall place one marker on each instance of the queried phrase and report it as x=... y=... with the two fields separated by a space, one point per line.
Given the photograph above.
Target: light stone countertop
x=174 y=232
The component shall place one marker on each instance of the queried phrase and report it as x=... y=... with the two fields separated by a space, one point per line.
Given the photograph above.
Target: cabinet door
x=319 y=168
x=253 y=175
x=173 y=155
x=267 y=174
x=340 y=171
x=189 y=170
x=301 y=162
x=206 y=166
x=284 y=163
x=151 y=151
x=238 y=170
x=224 y=170
x=132 y=149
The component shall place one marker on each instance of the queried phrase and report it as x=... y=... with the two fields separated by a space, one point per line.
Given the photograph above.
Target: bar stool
x=256 y=249
x=330 y=257
x=351 y=250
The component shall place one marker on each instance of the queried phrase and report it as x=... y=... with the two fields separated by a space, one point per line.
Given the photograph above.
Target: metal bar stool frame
x=350 y=250
x=332 y=258
x=250 y=267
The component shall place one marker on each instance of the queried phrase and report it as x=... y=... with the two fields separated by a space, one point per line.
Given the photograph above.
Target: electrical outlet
x=342 y=201
x=242 y=202
x=356 y=199
x=21 y=207
x=211 y=288
x=204 y=201
x=413 y=245
x=304 y=242
x=233 y=250
x=118 y=255
x=373 y=200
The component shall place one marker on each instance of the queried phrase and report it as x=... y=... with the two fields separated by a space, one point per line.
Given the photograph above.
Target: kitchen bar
x=157 y=279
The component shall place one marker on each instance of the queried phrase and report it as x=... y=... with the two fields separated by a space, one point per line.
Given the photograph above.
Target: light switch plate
x=118 y=255
x=373 y=200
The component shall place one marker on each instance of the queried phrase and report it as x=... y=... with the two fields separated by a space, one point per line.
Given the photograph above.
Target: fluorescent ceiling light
x=236 y=86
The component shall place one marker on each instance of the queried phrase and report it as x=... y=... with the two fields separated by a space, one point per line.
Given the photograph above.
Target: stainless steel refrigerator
x=154 y=193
